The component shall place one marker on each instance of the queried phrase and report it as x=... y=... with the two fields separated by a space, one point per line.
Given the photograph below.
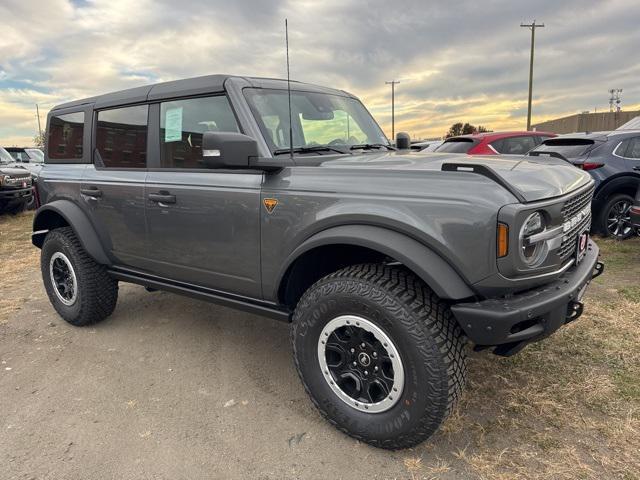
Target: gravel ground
x=170 y=387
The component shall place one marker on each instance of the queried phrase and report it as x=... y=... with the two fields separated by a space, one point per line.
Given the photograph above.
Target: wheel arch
x=61 y=213
x=337 y=247
x=626 y=183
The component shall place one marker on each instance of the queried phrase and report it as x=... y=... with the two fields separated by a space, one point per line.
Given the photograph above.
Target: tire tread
x=432 y=312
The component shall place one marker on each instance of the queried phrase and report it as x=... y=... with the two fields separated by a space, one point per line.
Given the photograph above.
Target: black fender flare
x=436 y=272
x=76 y=219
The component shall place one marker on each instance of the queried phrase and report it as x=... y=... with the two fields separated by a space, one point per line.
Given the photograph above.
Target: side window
x=498 y=145
x=517 y=145
x=121 y=137
x=65 y=136
x=633 y=149
x=182 y=123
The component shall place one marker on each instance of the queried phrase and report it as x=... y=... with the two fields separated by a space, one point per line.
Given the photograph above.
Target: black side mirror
x=228 y=150
x=403 y=141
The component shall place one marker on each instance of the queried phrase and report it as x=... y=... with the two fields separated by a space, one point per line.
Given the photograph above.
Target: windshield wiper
x=370 y=146
x=314 y=149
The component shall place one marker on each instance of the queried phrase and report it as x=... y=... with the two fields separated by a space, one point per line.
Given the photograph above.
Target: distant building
x=587 y=122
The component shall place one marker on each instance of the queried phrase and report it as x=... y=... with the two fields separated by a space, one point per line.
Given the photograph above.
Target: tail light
x=589 y=165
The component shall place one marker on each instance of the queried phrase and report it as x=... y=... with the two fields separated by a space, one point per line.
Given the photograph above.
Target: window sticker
x=173 y=125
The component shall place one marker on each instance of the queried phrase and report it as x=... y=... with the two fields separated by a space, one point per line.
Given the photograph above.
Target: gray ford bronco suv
x=388 y=263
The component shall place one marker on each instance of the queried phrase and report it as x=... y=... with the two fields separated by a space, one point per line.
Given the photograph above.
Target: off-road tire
x=428 y=338
x=97 y=291
x=604 y=214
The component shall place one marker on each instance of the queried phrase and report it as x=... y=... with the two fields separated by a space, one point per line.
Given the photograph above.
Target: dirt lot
x=173 y=388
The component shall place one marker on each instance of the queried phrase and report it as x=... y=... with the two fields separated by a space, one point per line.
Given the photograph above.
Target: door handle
x=91 y=192
x=637 y=168
x=162 y=197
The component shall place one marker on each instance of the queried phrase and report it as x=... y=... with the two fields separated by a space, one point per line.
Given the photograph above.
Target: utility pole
x=393 y=84
x=532 y=27
x=38 y=115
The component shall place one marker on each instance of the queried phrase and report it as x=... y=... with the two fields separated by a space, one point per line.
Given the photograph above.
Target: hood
x=535 y=178
x=14 y=171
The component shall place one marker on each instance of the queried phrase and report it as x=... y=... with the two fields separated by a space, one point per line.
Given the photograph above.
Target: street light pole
x=533 y=27
x=38 y=115
x=393 y=106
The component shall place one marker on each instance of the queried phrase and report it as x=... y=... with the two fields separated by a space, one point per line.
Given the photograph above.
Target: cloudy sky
x=456 y=60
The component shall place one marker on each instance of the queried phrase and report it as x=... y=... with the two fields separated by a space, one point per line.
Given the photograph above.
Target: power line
x=532 y=27
x=393 y=84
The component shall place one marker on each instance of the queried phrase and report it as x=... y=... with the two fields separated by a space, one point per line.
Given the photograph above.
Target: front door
x=203 y=225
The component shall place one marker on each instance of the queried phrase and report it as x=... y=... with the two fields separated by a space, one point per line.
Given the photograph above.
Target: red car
x=492 y=143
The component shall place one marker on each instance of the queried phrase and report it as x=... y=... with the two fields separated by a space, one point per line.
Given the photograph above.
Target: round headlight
x=533 y=252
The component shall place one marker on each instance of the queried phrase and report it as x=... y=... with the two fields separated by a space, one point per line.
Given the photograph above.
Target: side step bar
x=237 y=302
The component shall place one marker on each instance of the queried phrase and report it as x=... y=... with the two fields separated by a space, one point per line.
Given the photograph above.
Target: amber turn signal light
x=503 y=240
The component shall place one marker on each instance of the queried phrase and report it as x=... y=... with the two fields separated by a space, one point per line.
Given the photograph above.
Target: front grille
x=17 y=181
x=575 y=204
x=570 y=209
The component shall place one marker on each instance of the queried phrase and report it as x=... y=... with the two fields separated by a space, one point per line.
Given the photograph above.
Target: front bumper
x=511 y=323
x=16 y=193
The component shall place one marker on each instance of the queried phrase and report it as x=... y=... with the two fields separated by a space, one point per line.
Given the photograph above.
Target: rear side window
x=630 y=148
x=65 y=136
x=456 y=145
x=514 y=145
x=567 y=147
x=182 y=124
x=121 y=137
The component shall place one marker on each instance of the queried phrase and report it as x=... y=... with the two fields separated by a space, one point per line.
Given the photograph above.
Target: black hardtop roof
x=187 y=87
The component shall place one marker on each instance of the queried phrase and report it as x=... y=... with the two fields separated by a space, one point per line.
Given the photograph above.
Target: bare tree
x=39 y=140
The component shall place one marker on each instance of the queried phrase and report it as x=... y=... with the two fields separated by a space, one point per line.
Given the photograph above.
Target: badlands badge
x=270 y=204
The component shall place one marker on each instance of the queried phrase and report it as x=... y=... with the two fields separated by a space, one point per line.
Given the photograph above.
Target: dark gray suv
x=613 y=160
x=388 y=264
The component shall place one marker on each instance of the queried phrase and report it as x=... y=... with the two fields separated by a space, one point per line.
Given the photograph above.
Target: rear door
x=112 y=188
x=203 y=224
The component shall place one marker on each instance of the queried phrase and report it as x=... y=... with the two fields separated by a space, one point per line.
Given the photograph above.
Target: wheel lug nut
x=375 y=354
x=366 y=372
x=354 y=364
x=353 y=350
x=375 y=369
x=362 y=345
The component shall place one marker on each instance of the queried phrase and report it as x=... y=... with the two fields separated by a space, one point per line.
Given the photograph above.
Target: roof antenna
x=286 y=36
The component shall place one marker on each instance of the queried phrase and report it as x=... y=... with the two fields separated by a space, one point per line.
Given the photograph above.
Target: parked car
x=387 y=263
x=427 y=146
x=30 y=158
x=613 y=160
x=493 y=143
x=16 y=191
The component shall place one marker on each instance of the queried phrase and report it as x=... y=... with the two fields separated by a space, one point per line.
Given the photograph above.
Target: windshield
x=35 y=155
x=456 y=145
x=318 y=119
x=5 y=157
